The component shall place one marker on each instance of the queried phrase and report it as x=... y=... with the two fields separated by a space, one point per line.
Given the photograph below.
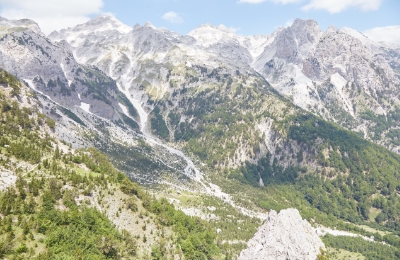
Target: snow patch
x=85 y=107
x=65 y=74
x=124 y=109
x=74 y=41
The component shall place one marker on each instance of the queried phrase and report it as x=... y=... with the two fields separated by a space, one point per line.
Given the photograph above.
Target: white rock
x=283 y=236
x=7 y=179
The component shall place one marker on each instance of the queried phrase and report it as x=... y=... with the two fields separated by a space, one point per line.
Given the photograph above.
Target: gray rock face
x=284 y=236
x=51 y=69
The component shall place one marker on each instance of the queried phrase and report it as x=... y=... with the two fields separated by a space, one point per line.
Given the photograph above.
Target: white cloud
x=386 y=34
x=51 y=15
x=172 y=17
x=332 y=6
x=337 y=6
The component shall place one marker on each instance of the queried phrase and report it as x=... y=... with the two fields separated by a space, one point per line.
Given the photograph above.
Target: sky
x=378 y=19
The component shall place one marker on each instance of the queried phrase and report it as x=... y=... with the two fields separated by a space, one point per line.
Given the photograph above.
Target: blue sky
x=249 y=19
x=379 y=19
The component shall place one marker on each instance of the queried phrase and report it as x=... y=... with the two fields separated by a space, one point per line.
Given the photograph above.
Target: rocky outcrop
x=284 y=236
x=7 y=179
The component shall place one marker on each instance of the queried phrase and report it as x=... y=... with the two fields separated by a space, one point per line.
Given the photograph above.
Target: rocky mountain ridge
x=52 y=70
x=86 y=103
x=177 y=85
x=165 y=77
x=316 y=70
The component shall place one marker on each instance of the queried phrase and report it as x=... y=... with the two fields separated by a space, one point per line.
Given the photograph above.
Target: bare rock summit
x=283 y=236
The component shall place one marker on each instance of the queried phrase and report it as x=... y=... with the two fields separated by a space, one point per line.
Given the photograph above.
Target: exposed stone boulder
x=283 y=236
x=7 y=179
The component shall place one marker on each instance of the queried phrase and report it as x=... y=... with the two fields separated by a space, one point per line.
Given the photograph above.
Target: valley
x=214 y=125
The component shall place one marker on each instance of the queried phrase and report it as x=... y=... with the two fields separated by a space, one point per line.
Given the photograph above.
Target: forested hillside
x=53 y=198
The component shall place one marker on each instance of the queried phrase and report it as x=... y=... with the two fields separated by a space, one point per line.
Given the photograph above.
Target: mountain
x=339 y=75
x=60 y=202
x=52 y=70
x=86 y=103
x=140 y=155
x=239 y=105
x=227 y=127
x=189 y=83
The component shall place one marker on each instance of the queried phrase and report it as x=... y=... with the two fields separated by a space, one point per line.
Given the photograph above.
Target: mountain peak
x=149 y=24
x=105 y=16
x=24 y=23
x=308 y=25
x=208 y=34
x=109 y=22
x=301 y=38
x=309 y=22
x=102 y=25
x=220 y=27
x=332 y=29
x=104 y=22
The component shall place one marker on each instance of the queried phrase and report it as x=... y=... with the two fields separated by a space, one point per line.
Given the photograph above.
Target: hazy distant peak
x=11 y=25
x=208 y=26
x=149 y=24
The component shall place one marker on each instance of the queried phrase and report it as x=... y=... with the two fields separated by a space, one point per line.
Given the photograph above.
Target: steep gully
x=190 y=170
